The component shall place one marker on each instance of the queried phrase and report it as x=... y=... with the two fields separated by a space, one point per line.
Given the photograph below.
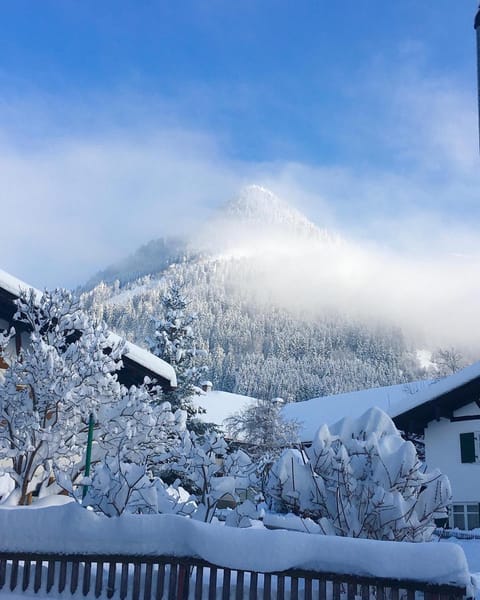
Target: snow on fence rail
x=68 y=547
x=457 y=533
x=148 y=578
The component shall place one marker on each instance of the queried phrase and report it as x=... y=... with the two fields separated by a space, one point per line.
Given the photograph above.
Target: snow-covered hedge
x=360 y=478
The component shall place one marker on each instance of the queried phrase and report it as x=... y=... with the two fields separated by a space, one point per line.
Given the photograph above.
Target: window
x=470 y=447
x=465 y=516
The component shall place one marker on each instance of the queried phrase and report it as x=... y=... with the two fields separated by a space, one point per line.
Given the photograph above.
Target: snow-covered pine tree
x=61 y=376
x=175 y=341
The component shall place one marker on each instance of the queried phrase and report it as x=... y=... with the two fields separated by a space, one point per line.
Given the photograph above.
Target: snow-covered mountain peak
x=256 y=205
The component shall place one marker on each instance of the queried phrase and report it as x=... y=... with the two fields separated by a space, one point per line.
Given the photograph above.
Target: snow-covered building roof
x=311 y=414
x=219 y=405
x=412 y=406
x=137 y=362
x=437 y=400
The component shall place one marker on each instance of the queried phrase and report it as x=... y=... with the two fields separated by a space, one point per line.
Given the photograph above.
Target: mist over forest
x=288 y=309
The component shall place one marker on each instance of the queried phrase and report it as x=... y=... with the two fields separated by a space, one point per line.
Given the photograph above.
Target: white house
x=138 y=363
x=447 y=412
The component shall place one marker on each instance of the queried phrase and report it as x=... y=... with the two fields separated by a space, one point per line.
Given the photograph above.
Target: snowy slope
x=285 y=308
x=259 y=206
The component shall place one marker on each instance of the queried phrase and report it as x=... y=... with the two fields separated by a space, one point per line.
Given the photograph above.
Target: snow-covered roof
x=395 y=400
x=148 y=360
x=440 y=399
x=437 y=388
x=221 y=405
x=14 y=286
x=311 y=414
x=139 y=355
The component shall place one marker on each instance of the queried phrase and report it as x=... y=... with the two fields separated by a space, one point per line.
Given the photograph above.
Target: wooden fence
x=168 y=578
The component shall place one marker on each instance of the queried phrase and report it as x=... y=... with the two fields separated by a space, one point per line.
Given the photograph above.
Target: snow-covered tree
x=138 y=428
x=262 y=426
x=175 y=341
x=62 y=375
x=447 y=361
x=360 y=479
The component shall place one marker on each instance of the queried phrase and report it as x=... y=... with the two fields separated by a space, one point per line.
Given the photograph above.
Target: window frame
x=469 y=447
x=465 y=512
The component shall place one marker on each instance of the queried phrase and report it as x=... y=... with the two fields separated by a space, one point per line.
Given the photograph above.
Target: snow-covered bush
x=174 y=499
x=138 y=429
x=206 y=466
x=46 y=396
x=360 y=479
x=136 y=435
x=118 y=486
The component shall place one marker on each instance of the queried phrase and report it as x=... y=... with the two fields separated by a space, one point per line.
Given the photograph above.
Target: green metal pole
x=88 y=457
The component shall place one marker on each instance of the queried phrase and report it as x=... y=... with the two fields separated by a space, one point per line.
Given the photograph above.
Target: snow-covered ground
x=471 y=549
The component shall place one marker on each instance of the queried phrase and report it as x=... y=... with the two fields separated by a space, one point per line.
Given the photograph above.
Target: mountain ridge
x=285 y=309
x=260 y=206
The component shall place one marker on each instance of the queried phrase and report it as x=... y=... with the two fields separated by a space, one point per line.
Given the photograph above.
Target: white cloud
x=74 y=202
x=77 y=205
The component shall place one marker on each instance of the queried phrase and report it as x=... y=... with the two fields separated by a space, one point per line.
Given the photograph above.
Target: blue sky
x=121 y=121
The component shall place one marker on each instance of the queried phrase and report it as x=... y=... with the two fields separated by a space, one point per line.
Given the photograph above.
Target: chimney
x=206 y=386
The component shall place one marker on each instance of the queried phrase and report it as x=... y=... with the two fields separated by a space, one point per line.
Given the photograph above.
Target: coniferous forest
x=260 y=349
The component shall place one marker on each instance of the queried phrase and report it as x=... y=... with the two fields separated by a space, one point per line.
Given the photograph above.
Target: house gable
x=443 y=399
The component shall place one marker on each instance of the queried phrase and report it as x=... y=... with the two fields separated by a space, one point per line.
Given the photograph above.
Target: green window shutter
x=467 y=447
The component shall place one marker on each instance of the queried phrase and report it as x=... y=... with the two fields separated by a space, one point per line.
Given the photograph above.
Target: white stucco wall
x=442 y=450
